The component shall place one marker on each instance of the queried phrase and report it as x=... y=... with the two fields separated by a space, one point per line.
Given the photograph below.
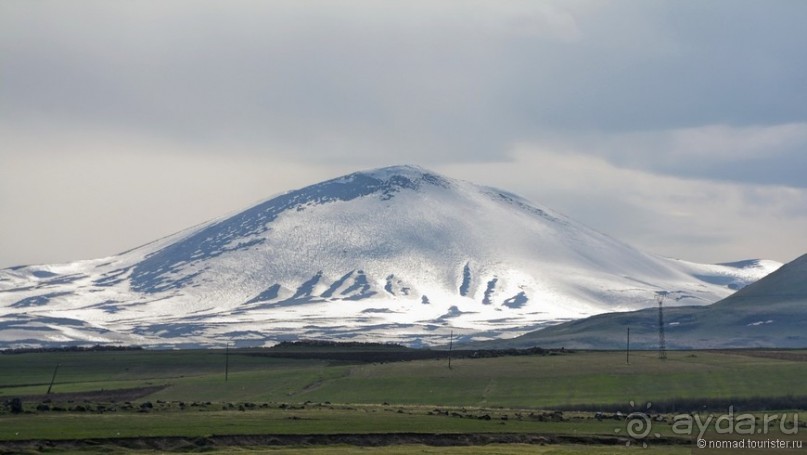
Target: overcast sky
x=679 y=127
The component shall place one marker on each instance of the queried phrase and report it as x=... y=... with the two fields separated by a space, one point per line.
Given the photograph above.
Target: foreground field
x=404 y=449
x=182 y=396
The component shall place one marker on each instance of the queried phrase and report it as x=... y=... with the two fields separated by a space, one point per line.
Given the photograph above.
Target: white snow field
x=395 y=254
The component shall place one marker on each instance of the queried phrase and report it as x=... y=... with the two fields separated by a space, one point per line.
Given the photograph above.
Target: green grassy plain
x=524 y=381
x=276 y=396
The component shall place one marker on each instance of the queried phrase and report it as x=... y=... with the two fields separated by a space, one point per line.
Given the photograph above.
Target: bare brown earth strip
x=103 y=396
x=794 y=356
x=184 y=444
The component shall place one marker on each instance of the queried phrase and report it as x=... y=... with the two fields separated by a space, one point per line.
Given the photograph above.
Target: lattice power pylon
x=662 y=345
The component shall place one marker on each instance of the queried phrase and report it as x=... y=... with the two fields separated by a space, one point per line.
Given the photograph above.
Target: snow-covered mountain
x=397 y=254
x=770 y=313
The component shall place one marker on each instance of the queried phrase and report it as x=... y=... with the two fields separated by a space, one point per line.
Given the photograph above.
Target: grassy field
x=511 y=395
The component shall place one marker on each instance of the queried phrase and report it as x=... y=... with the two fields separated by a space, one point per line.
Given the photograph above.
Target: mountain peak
x=404 y=170
x=788 y=282
x=401 y=176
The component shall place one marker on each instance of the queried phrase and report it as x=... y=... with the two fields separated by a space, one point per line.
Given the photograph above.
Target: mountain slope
x=397 y=253
x=769 y=313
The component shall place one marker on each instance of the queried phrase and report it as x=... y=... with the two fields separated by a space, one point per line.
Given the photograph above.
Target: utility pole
x=450 y=348
x=627 y=349
x=227 y=362
x=53 y=379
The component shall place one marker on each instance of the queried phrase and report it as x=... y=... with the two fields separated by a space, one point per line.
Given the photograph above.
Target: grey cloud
x=364 y=83
x=786 y=169
x=771 y=155
x=381 y=79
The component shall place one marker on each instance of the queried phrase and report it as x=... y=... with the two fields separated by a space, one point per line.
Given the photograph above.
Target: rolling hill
x=770 y=313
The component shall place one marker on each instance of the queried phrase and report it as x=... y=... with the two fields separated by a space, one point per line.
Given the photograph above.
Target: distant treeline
x=97 y=347
x=351 y=351
x=304 y=344
x=382 y=352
